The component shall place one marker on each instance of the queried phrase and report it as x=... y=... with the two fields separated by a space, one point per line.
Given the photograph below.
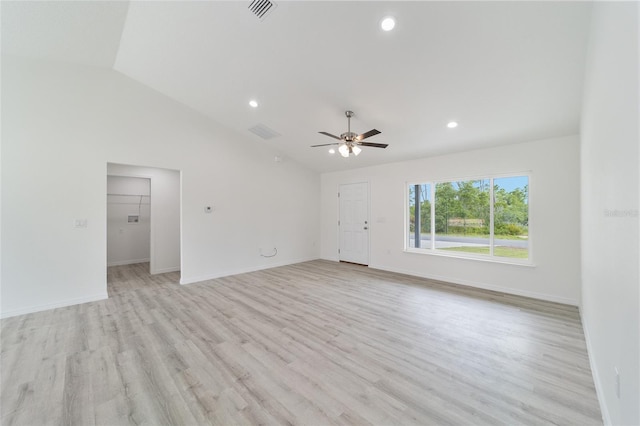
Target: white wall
x=128 y=242
x=165 y=214
x=610 y=247
x=554 y=217
x=62 y=124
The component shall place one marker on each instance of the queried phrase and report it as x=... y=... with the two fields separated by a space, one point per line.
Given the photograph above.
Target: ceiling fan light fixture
x=388 y=23
x=356 y=149
x=253 y=103
x=452 y=124
x=332 y=151
x=344 y=150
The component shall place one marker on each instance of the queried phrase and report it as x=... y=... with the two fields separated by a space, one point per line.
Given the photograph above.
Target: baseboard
x=128 y=262
x=135 y=261
x=606 y=419
x=165 y=270
x=61 y=304
x=332 y=258
x=484 y=286
x=191 y=280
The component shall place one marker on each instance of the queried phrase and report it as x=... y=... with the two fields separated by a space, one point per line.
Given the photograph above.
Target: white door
x=354 y=223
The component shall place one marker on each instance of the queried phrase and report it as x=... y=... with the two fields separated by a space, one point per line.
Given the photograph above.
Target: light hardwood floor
x=314 y=343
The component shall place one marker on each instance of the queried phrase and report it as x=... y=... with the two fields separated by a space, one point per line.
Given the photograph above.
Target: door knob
x=366 y=227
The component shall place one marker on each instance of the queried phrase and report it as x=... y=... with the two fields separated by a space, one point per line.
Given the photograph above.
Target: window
x=486 y=217
x=420 y=207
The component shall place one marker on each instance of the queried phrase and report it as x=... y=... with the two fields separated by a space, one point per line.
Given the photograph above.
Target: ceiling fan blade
x=368 y=134
x=374 y=145
x=330 y=135
x=324 y=144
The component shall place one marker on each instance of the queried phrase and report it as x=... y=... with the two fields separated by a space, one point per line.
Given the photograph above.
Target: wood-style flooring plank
x=316 y=343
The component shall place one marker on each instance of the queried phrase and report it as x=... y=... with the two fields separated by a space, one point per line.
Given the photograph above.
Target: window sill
x=482 y=258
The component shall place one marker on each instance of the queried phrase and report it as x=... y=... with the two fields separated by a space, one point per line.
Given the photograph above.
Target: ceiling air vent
x=262 y=8
x=263 y=131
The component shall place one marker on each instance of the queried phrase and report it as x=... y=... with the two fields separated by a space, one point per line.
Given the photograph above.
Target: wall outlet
x=615 y=369
x=80 y=223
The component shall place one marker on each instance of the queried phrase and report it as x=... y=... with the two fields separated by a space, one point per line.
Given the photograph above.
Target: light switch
x=80 y=223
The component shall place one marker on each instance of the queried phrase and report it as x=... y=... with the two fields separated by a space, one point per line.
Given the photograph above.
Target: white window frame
x=462 y=255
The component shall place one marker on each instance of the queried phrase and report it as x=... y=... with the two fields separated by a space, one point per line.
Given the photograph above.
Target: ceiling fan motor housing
x=349 y=136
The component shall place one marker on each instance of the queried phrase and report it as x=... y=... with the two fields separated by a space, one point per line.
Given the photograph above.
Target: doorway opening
x=143 y=218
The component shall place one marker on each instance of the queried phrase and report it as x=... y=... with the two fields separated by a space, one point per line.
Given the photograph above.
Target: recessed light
x=332 y=151
x=388 y=23
x=253 y=103
x=452 y=124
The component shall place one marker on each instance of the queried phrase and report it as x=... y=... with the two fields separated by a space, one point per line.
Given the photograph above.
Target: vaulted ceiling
x=508 y=72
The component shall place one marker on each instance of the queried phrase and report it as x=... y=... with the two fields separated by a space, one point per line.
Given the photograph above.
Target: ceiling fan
x=351 y=142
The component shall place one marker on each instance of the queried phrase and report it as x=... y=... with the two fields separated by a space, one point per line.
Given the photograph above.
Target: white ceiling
x=80 y=32
x=508 y=72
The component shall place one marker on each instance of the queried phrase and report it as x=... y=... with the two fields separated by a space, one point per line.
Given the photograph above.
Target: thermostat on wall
x=133 y=218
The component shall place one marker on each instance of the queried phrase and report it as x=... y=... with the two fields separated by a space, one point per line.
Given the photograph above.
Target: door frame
x=351 y=182
x=139 y=172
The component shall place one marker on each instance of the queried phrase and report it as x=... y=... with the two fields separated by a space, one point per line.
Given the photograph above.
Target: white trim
x=48 y=306
x=181 y=243
x=472 y=256
x=127 y=262
x=481 y=285
x=152 y=212
x=332 y=259
x=191 y=280
x=606 y=419
x=165 y=270
x=456 y=178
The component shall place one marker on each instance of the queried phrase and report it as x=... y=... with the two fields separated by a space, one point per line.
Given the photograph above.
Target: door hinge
x=338 y=251
x=338 y=223
x=338 y=195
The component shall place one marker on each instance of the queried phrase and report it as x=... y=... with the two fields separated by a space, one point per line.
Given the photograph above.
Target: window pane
x=511 y=217
x=462 y=216
x=419 y=234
